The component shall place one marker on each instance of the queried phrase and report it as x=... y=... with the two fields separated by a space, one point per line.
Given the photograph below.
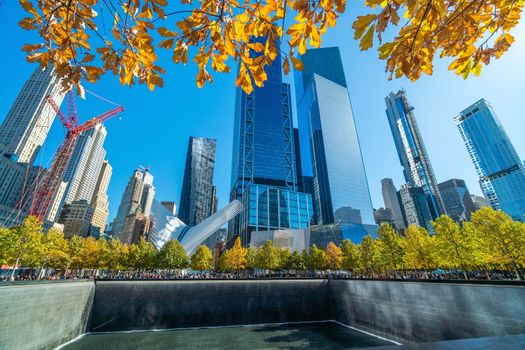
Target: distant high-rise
x=136 y=201
x=391 y=200
x=411 y=150
x=76 y=218
x=83 y=170
x=479 y=202
x=330 y=147
x=500 y=169
x=383 y=216
x=457 y=199
x=264 y=169
x=27 y=123
x=197 y=197
x=99 y=202
x=415 y=207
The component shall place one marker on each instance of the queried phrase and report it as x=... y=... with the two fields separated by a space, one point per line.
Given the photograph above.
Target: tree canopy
x=87 y=38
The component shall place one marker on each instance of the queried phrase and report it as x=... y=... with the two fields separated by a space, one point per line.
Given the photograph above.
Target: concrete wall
x=130 y=305
x=43 y=316
x=419 y=311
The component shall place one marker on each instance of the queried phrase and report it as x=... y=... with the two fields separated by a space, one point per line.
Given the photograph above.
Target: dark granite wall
x=43 y=316
x=133 y=305
x=419 y=311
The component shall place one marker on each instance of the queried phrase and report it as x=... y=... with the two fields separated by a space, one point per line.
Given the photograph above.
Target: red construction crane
x=46 y=189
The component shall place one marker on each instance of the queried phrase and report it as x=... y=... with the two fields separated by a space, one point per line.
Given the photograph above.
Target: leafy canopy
x=87 y=38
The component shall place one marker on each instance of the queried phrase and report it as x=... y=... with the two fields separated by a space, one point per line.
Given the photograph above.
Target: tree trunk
x=515 y=268
x=12 y=278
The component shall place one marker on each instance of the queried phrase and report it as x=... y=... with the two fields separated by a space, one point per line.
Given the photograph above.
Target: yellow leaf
x=166 y=32
x=367 y=39
x=361 y=23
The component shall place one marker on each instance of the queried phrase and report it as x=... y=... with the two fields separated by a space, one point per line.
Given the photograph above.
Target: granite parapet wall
x=43 y=316
x=422 y=312
x=135 y=305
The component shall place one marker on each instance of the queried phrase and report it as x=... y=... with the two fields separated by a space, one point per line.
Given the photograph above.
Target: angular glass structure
x=197 y=195
x=264 y=152
x=411 y=150
x=330 y=147
x=457 y=199
x=500 y=169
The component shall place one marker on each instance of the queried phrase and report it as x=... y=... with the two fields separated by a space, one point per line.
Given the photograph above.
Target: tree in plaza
x=295 y=261
x=283 y=254
x=202 y=259
x=172 y=256
x=334 y=256
x=316 y=259
x=268 y=256
x=53 y=251
x=391 y=252
x=453 y=248
x=368 y=255
x=234 y=259
x=87 y=38
x=350 y=258
x=499 y=240
x=75 y=253
x=116 y=255
x=26 y=243
x=251 y=258
x=8 y=241
x=418 y=248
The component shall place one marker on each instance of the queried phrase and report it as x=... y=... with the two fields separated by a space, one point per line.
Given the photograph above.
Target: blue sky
x=155 y=127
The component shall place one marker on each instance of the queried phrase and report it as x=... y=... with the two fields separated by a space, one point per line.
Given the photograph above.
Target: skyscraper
x=264 y=161
x=457 y=199
x=83 y=170
x=197 y=198
x=391 y=200
x=411 y=150
x=500 y=169
x=330 y=147
x=136 y=201
x=479 y=202
x=415 y=207
x=27 y=123
x=99 y=202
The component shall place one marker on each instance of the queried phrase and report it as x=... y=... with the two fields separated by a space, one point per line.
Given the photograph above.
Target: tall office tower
x=264 y=174
x=391 y=200
x=99 y=202
x=16 y=180
x=56 y=205
x=214 y=200
x=130 y=204
x=25 y=127
x=148 y=194
x=457 y=199
x=479 y=202
x=171 y=206
x=500 y=169
x=411 y=150
x=329 y=141
x=383 y=216
x=415 y=207
x=83 y=170
x=76 y=218
x=196 y=198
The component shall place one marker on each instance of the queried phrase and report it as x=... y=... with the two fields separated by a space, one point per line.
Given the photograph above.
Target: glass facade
x=330 y=147
x=457 y=199
x=271 y=208
x=415 y=207
x=500 y=169
x=264 y=167
x=337 y=233
x=197 y=195
x=411 y=150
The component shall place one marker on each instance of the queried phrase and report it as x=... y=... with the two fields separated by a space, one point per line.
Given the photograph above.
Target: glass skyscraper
x=197 y=199
x=330 y=147
x=264 y=156
x=500 y=169
x=411 y=150
x=457 y=199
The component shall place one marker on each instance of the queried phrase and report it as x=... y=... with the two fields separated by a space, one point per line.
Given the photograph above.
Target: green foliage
x=351 y=260
x=316 y=259
x=202 y=259
x=368 y=255
x=334 y=256
x=295 y=261
x=391 y=253
x=268 y=257
x=172 y=255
